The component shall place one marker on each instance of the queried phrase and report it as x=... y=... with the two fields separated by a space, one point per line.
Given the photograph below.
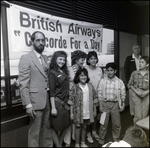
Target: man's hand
x=54 y=112
x=30 y=112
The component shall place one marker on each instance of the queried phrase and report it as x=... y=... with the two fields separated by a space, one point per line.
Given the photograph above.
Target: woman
x=95 y=75
x=59 y=95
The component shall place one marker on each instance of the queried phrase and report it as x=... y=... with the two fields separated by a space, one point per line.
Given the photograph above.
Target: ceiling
x=141 y=3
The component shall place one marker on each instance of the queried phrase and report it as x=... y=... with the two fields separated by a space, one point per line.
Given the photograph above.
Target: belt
x=111 y=101
x=63 y=103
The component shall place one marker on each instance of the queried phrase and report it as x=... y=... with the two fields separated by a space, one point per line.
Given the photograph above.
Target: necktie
x=43 y=63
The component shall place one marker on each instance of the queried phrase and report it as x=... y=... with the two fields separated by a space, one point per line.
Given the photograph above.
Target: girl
x=83 y=109
x=95 y=75
x=59 y=95
x=78 y=60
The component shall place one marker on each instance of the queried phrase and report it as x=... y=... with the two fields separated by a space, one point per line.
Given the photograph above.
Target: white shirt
x=86 y=108
x=136 y=61
x=38 y=55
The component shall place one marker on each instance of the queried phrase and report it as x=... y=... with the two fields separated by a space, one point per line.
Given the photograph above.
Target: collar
x=37 y=54
x=111 y=80
x=133 y=56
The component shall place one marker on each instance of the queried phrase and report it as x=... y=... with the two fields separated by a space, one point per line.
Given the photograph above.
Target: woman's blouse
x=95 y=75
x=59 y=85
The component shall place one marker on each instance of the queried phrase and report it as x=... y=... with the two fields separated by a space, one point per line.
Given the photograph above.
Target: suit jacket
x=129 y=67
x=33 y=81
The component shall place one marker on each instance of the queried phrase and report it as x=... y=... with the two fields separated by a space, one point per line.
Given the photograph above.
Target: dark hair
x=112 y=65
x=53 y=64
x=146 y=59
x=89 y=55
x=33 y=35
x=80 y=70
x=76 y=55
x=135 y=136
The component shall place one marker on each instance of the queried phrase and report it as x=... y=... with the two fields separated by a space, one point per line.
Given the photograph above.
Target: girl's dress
x=59 y=89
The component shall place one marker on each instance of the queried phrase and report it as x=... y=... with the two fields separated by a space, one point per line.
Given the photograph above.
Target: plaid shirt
x=139 y=81
x=111 y=90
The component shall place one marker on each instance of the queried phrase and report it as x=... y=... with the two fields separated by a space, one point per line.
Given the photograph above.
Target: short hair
x=33 y=35
x=76 y=55
x=112 y=65
x=89 y=55
x=146 y=59
x=79 y=71
x=135 y=136
x=136 y=44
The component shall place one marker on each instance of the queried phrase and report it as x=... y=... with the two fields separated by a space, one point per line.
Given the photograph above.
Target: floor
x=18 y=137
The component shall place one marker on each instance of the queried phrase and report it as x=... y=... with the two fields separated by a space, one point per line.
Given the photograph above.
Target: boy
x=139 y=84
x=111 y=95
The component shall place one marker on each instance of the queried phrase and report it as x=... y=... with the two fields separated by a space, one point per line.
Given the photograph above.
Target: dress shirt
x=136 y=61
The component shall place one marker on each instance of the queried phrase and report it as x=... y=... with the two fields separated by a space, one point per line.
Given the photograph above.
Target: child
x=83 y=96
x=78 y=59
x=134 y=137
x=139 y=84
x=59 y=95
x=111 y=95
x=95 y=75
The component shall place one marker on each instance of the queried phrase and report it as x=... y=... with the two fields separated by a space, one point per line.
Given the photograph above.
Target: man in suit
x=33 y=83
x=131 y=64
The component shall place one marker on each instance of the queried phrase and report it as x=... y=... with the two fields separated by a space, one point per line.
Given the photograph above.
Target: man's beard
x=39 y=49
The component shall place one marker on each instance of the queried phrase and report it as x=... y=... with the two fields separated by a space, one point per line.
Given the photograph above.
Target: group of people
x=66 y=103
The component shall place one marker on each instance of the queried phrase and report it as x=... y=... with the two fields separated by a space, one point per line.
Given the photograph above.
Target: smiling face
x=60 y=61
x=111 y=72
x=39 y=42
x=82 y=78
x=80 y=62
x=92 y=61
x=142 y=64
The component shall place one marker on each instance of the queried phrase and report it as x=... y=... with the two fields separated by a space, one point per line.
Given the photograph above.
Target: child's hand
x=78 y=125
x=144 y=93
x=122 y=107
x=139 y=92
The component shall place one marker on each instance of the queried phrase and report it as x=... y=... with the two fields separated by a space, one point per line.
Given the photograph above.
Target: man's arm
x=24 y=80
